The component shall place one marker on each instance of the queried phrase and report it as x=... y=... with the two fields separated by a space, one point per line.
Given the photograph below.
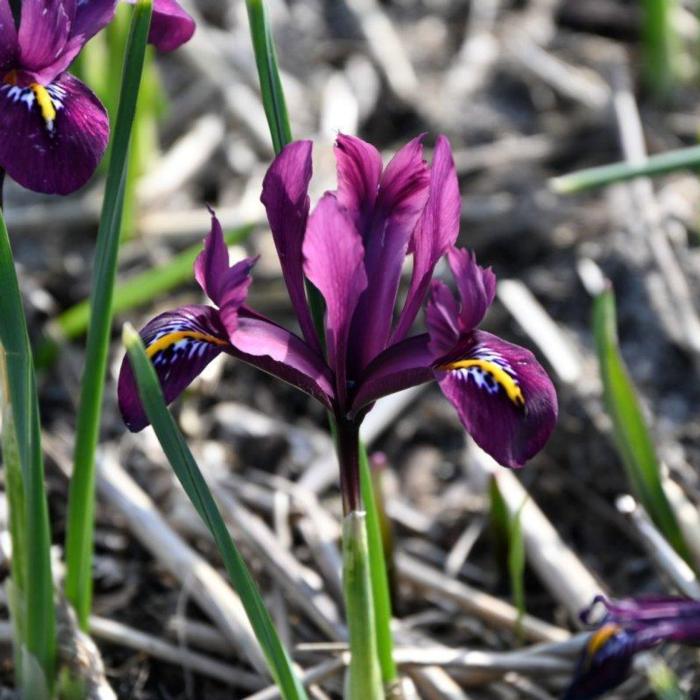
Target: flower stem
x=364 y=679
x=347 y=440
x=378 y=575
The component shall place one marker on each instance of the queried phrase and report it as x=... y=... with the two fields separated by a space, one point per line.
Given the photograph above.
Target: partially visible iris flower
x=53 y=130
x=352 y=248
x=627 y=627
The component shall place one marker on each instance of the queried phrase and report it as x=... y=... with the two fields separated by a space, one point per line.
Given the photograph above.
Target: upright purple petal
x=212 y=264
x=503 y=396
x=51 y=138
x=226 y=286
x=234 y=293
x=43 y=31
x=359 y=167
x=90 y=17
x=403 y=191
x=399 y=367
x=171 y=26
x=442 y=319
x=333 y=255
x=273 y=349
x=476 y=285
x=8 y=37
x=180 y=343
x=286 y=200
x=434 y=235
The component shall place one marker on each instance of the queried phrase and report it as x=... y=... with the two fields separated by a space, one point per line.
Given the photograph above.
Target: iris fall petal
x=53 y=137
x=180 y=343
x=503 y=397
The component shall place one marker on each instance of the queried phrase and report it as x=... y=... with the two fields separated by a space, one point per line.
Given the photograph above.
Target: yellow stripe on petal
x=500 y=376
x=168 y=340
x=600 y=638
x=46 y=105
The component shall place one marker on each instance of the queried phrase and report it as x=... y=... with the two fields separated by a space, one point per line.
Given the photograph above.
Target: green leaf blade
x=632 y=436
x=195 y=486
x=81 y=501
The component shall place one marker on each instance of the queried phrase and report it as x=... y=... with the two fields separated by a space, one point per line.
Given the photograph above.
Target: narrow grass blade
x=364 y=681
x=268 y=72
x=38 y=625
x=590 y=178
x=378 y=576
x=663 y=681
x=659 y=46
x=195 y=486
x=142 y=288
x=509 y=547
x=632 y=437
x=81 y=502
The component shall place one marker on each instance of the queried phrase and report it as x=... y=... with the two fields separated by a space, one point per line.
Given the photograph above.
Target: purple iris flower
x=53 y=130
x=627 y=627
x=352 y=248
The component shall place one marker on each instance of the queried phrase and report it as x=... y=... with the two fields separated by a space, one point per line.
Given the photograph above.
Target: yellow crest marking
x=43 y=99
x=510 y=386
x=600 y=638
x=171 y=338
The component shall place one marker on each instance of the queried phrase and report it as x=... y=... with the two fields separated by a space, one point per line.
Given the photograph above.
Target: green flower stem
x=378 y=575
x=32 y=576
x=81 y=499
x=590 y=178
x=364 y=678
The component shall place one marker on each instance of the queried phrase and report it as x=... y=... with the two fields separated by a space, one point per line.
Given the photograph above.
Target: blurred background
x=526 y=90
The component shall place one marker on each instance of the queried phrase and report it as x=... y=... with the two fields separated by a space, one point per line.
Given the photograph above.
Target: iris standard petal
x=399 y=367
x=226 y=286
x=8 y=37
x=43 y=31
x=212 y=264
x=286 y=200
x=90 y=17
x=359 y=168
x=180 y=343
x=403 y=192
x=51 y=138
x=171 y=26
x=503 y=396
x=476 y=285
x=333 y=254
x=273 y=349
x=436 y=232
x=636 y=612
x=441 y=314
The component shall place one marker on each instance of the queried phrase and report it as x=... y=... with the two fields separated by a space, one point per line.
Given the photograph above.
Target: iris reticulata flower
x=627 y=627
x=352 y=248
x=53 y=130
